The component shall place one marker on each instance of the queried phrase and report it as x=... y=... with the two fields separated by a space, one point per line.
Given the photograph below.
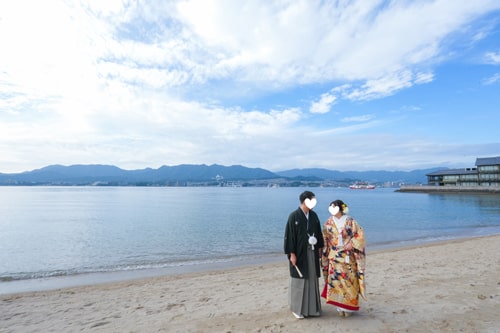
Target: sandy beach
x=446 y=287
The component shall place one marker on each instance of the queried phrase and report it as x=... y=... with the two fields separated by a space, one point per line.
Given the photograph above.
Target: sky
x=342 y=85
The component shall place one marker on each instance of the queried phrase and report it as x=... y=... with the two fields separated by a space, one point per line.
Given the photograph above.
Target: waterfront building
x=485 y=174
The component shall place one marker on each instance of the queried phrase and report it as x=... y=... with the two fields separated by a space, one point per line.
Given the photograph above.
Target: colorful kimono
x=343 y=270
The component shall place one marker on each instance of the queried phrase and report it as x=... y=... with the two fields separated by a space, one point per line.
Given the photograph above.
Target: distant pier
x=449 y=189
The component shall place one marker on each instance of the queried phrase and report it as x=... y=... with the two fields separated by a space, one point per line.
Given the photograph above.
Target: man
x=303 y=243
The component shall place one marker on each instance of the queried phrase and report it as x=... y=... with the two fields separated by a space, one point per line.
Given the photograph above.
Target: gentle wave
x=229 y=259
x=135 y=267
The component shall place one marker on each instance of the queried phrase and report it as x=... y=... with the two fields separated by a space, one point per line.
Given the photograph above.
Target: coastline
x=439 y=287
x=114 y=276
x=96 y=278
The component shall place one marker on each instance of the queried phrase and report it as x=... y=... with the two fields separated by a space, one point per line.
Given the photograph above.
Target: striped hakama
x=304 y=296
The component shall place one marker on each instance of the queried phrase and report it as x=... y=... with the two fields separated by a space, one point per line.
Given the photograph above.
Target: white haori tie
x=312 y=240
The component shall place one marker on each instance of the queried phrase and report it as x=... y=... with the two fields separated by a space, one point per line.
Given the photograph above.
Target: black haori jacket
x=297 y=233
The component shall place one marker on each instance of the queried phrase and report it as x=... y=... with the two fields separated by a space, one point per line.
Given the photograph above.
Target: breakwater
x=449 y=189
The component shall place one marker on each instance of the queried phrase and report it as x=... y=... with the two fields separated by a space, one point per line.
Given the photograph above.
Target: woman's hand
x=293 y=259
x=348 y=246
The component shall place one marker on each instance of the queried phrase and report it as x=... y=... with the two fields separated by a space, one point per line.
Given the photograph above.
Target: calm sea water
x=52 y=232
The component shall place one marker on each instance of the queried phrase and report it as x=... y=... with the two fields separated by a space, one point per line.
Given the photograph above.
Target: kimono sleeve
x=290 y=241
x=358 y=236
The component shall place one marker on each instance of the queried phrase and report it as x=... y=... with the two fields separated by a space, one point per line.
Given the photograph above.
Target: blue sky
x=342 y=85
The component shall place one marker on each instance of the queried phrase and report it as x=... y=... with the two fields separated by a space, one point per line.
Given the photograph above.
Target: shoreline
x=445 y=286
x=96 y=278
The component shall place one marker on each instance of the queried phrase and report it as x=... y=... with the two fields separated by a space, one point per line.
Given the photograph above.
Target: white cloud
x=324 y=105
x=382 y=87
x=421 y=78
x=492 y=79
x=362 y=118
x=306 y=41
x=278 y=44
x=139 y=84
x=493 y=58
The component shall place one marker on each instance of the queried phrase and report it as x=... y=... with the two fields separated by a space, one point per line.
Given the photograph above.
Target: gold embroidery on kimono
x=343 y=271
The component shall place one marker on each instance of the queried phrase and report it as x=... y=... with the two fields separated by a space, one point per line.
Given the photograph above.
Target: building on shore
x=486 y=173
x=483 y=178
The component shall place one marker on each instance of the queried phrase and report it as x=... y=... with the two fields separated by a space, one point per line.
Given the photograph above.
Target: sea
x=53 y=237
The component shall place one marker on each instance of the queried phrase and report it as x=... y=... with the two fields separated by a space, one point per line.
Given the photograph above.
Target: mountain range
x=203 y=175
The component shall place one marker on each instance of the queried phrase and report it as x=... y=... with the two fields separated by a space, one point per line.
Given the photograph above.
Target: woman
x=343 y=260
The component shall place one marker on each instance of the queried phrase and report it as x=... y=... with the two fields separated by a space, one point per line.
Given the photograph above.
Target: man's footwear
x=298 y=316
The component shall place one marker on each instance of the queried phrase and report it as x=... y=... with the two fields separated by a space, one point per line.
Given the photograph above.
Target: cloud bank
x=273 y=84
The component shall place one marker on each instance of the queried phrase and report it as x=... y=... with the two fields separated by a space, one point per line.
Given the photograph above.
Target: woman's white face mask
x=333 y=209
x=310 y=203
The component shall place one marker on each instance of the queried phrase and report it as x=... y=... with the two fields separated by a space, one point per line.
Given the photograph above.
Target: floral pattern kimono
x=343 y=270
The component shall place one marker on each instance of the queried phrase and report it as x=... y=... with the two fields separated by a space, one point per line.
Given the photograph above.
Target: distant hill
x=381 y=176
x=112 y=175
x=192 y=175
